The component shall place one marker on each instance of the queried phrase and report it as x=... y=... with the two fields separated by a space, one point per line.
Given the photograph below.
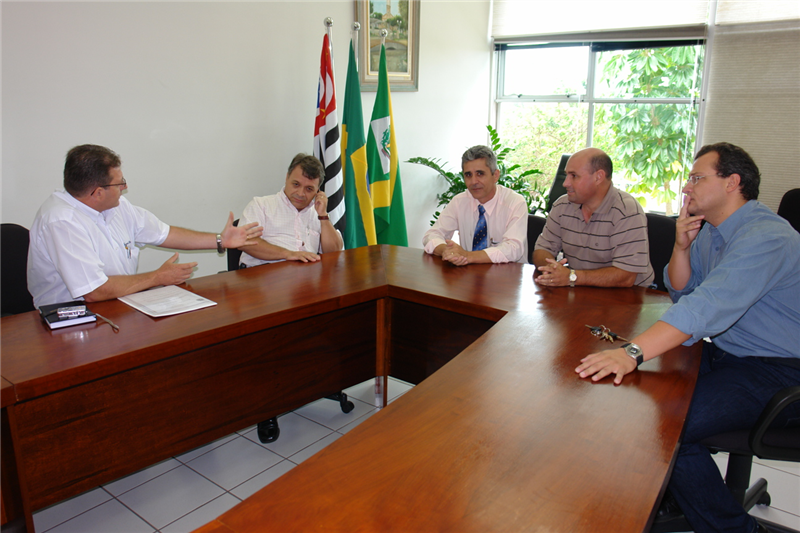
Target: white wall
x=206 y=102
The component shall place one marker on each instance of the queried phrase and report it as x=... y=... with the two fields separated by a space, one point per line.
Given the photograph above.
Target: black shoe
x=268 y=431
x=669 y=509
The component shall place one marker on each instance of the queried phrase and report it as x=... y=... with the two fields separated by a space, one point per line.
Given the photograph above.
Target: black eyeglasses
x=120 y=185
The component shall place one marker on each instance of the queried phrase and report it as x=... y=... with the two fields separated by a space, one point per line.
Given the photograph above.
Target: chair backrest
x=535 y=227
x=233 y=255
x=661 y=237
x=790 y=208
x=14 y=295
x=557 y=190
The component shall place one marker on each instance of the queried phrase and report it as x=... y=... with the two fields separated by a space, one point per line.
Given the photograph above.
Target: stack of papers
x=166 y=301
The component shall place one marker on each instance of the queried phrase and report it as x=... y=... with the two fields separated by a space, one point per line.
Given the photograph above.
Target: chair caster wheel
x=268 y=431
x=341 y=397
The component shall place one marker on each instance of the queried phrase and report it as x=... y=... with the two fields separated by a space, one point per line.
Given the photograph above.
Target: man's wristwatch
x=220 y=249
x=573 y=277
x=634 y=351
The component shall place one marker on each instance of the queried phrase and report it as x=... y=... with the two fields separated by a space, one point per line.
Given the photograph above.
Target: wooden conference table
x=504 y=437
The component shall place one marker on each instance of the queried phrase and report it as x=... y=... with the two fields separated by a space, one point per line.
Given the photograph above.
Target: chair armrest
x=778 y=403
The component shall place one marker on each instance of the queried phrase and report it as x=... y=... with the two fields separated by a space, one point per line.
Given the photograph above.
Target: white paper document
x=166 y=301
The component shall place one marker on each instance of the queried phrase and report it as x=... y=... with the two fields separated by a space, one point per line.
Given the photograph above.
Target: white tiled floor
x=184 y=492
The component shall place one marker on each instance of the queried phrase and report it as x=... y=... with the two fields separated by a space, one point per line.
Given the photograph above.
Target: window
x=637 y=101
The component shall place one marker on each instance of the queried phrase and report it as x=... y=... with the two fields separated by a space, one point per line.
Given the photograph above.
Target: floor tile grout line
x=198 y=507
x=111 y=497
x=143 y=482
x=136 y=514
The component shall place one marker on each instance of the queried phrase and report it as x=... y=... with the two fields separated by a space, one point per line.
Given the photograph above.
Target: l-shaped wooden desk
x=504 y=437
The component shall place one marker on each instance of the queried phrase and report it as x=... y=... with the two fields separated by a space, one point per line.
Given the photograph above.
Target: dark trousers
x=730 y=394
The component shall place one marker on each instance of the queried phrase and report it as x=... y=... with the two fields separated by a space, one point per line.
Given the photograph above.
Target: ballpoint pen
x=107 y=321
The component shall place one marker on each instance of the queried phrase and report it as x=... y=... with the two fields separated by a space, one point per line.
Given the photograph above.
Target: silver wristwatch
x=220 y=249
x=573 y=277
x=634 y=351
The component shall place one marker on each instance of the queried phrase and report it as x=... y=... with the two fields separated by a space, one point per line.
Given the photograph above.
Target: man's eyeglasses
x=693 y=179
x=120 y=185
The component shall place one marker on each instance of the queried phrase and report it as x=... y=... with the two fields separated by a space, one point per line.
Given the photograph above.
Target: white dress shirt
x=284 y=225
x=74 y=248
x=506 y=220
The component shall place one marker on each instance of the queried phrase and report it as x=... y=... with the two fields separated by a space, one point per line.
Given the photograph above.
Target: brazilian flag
x=360 y=226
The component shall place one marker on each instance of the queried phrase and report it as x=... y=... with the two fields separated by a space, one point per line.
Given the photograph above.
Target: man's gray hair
x=480 y=152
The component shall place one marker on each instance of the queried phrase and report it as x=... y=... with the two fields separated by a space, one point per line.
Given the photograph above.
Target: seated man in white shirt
x=295 y=221
x=491 y=220
x=85 y=240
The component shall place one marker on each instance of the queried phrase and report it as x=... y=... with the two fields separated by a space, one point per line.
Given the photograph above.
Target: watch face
x=633 y=350
x=573 y=276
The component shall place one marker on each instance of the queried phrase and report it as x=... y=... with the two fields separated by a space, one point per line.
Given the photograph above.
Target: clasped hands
x=454 y=253
x=554 y=273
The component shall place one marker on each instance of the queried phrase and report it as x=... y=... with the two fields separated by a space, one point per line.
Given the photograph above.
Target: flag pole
x=328 y=24
x=384 y=33
x=354 y=34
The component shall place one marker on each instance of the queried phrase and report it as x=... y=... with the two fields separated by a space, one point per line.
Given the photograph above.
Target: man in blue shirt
x=736 y=280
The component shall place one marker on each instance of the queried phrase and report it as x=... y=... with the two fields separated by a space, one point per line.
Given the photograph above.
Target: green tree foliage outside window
x=652 y=143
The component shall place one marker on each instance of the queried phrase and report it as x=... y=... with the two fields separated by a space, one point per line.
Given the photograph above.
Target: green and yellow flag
x=360 y=226
x=384 y=166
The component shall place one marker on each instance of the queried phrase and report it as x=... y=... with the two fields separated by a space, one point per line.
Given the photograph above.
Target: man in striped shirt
x=601 y=230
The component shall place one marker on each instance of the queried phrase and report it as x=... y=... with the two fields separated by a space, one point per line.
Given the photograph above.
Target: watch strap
x=326 y=217
x=220 y=249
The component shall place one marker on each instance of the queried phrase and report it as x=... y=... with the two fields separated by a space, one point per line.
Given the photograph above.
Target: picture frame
x=401 y=19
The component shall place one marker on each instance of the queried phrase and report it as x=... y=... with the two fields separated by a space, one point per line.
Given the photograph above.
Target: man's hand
x=600 y=365
x=687 y=227
x=237 y=237
x=172 y=272
x=553 y=274
x=321 y=204
x=305 y=257
x=454 y=253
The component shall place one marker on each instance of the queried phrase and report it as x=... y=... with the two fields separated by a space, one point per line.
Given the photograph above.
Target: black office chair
x=661 y=237
x=535 y=227
x=761 y=441
x=790 y=208
x=557 y=189
x=268 y=430
x=14 y=242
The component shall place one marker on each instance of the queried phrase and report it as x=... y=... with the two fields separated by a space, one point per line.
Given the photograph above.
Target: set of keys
x=602 y=332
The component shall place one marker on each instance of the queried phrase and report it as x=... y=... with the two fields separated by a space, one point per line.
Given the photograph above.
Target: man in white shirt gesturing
x=85 y=240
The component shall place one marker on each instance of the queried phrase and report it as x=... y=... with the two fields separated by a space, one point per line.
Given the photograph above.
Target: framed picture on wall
x=401 y=19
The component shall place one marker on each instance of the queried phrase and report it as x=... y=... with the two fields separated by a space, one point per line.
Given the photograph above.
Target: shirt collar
x=488 y=206
x=732 y=224
x=608 y=201
x=85 y=209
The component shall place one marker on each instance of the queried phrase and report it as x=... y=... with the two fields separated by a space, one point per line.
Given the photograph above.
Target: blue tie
x=480 y=239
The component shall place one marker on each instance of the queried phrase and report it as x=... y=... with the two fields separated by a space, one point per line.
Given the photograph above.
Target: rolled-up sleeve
x=443 y=229
x=742 y=277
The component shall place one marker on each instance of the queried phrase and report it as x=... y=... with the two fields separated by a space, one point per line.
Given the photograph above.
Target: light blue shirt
x=744 y=291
